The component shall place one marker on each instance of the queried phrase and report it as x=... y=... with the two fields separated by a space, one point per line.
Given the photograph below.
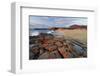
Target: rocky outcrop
x=47 y=46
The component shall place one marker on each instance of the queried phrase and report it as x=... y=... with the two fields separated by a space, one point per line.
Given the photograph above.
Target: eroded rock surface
x=47 y=46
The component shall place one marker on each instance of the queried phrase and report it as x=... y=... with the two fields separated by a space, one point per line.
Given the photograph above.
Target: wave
x=37 y=32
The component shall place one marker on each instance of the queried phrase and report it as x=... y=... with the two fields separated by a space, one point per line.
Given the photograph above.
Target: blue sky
x=52 y=21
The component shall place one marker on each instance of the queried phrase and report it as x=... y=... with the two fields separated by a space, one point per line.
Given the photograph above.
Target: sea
x=35 y=32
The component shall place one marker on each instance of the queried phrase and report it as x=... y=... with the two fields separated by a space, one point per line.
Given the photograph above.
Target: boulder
x=51 y=48
x=59 y=44
x=44 y=56
x=62 y=51
x=35 y=49
x=54 y=54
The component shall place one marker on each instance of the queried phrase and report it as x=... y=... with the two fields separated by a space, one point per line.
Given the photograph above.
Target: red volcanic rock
x=59 y=44
x=63 y=52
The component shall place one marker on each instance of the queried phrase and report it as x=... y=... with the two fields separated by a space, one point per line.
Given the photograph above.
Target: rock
x=31 y=55
x=54 y=54
x=85 y=54
x=51 y=48
x=58 y=43
x=44 y=45
x=48 y=37
x=42 y=51
x=62 y=51
x=59 y=39
x=51 y=55
x=50 y=41
x=35 y=50
x=44 y=56
x=47 y=46
x=70 y=48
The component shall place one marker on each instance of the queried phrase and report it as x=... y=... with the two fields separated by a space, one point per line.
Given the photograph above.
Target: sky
x=53 y=21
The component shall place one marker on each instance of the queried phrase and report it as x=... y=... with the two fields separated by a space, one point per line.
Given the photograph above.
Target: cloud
x=50 y=21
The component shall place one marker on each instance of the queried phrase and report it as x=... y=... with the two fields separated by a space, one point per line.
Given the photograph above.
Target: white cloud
x=45 y=21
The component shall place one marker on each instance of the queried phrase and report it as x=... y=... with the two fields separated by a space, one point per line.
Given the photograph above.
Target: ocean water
x=34 y=32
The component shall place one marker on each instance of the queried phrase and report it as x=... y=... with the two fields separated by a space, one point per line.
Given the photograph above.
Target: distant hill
x=75 y=26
